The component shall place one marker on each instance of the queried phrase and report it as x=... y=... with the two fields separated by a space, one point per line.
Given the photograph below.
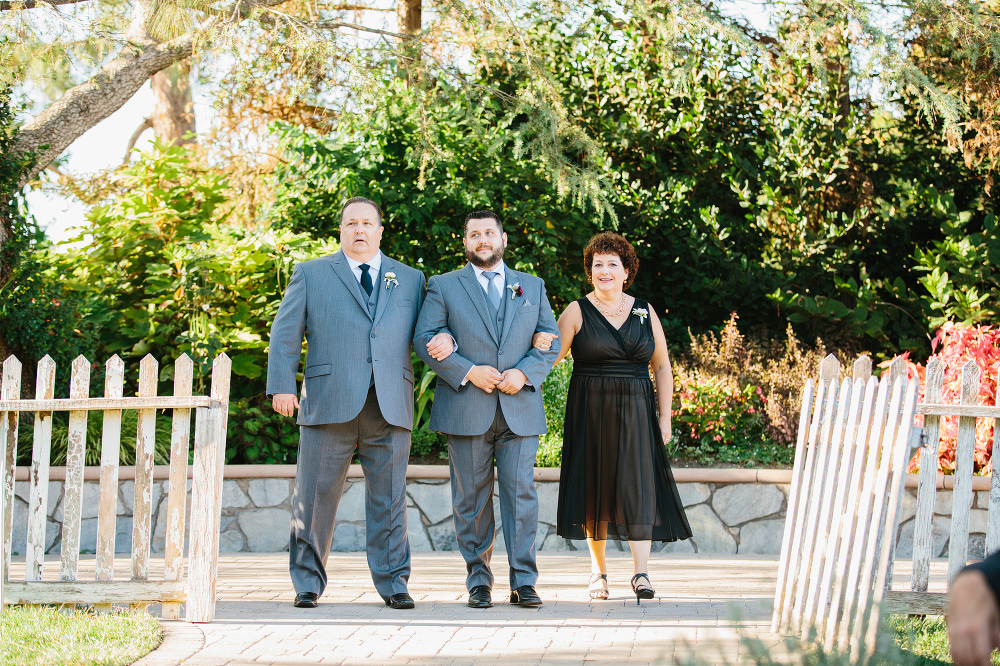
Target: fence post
x=10 y=389
x=39 y=473
x=965 y=451
x=76 y=454
x=114 y=377
x=180 y=434
x=206 y=499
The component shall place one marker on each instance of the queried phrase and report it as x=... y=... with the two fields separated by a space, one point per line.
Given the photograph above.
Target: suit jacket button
x=501 y=353
x=369 y=360
x=373 y=335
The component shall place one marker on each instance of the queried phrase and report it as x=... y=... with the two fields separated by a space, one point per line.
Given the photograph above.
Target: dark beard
x=492 y=261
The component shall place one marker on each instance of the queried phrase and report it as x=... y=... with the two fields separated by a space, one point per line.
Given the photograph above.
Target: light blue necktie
x=492 y=293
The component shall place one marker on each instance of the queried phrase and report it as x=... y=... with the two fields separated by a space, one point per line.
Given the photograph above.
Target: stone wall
x=726 y=518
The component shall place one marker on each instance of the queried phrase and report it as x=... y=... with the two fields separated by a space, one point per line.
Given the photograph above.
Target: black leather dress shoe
x=306 y=600
x=400 y=601
x=526 y=597
x=479 y=597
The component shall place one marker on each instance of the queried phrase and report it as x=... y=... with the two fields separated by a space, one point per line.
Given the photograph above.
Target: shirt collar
x=499 y=268
x=375 y=262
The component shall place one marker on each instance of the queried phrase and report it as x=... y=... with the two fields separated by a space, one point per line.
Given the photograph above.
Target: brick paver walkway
x=702 y=603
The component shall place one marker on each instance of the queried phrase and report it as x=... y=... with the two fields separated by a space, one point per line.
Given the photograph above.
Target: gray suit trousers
x=470 y=459
x=325 y=452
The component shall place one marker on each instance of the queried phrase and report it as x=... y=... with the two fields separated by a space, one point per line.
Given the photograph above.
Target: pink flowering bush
x=719 y=423
x=955 y=344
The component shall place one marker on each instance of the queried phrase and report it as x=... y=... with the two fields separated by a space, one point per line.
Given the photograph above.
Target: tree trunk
x=410 y=12
x=173 y=113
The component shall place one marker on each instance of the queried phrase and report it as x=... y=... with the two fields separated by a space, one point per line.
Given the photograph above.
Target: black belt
x=611 y=369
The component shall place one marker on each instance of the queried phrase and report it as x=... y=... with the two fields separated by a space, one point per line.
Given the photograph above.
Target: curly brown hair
x=609 y=242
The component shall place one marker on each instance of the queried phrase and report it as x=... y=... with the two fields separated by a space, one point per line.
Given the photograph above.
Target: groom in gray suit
x=489 y=401
x=357 y=309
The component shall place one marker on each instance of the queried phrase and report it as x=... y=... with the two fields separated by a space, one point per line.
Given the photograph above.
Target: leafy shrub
x=733 y=363
x=955 y=345
x=260 y=435
x=95 y=430
x=425 y=443
x=554 y=392
x=715 y=423
x=170 y=276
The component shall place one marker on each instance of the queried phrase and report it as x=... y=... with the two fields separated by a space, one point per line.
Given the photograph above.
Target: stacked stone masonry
x=725 y=518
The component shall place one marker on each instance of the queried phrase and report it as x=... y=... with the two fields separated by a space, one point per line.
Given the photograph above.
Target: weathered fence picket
x=209 y=453
x=854 y=441
x=846 y=489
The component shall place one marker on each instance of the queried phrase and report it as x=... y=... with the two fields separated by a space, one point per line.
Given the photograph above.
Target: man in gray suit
x=488 y=401
x=357 y=309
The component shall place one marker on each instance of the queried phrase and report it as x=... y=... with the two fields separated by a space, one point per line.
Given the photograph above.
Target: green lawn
x=45 y=635
x=922 y=640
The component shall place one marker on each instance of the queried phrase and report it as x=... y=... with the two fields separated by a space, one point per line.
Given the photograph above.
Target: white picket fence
x=855 y=439
x=198 y=591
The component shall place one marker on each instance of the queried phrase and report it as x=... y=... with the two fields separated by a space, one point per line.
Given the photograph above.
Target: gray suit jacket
x=456 y=303
x=325 y=303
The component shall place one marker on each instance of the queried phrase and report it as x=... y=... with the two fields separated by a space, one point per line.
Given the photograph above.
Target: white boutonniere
x=390 y=280
x=515 y=290
x=641 y=313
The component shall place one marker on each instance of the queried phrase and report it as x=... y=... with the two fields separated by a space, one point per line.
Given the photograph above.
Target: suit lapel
x=471 y=284
x=344 y=272
x=510 y=277
x=383 y=298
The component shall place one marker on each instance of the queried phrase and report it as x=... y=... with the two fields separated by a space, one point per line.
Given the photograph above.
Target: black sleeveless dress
x=615 y=480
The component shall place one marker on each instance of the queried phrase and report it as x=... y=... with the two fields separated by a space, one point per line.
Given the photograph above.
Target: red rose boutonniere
x=515 y=290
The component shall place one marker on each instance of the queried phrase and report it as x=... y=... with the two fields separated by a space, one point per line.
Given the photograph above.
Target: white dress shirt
x=374 y=264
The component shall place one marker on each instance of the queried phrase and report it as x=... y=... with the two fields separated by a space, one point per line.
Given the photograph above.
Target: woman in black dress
x=615 y=480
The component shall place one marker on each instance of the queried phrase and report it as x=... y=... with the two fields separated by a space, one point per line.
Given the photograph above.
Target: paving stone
x=943 y=500
x=347 y=538
x=548 y=501
x=978 y=521
x=908 y=507
x=983 y=499
x=940 y=533
x=433 y=499
x=268 y=492
x=89 y=505
x=352 y=503
x=415 y=532
x=266 y=530
x=693 y=493
x=123 y=534
x=233 y=496
x=762 y=537
x=232 y=541
x=88 y=535
x=710 y=533
x=159 y=539
x=977 y=546
x=22 y=489
x=443 y=535
x=740 y=502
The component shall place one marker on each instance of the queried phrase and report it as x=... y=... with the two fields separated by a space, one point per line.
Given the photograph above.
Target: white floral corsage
x=641 y=313
x=390 y=280
x=515 y=290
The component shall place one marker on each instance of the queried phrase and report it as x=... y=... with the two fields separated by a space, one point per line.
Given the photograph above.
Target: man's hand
x=513 y=381
x=485 y=377
x=973 y=620
x=440 y=346
x=542 y=340
x=285 y=403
